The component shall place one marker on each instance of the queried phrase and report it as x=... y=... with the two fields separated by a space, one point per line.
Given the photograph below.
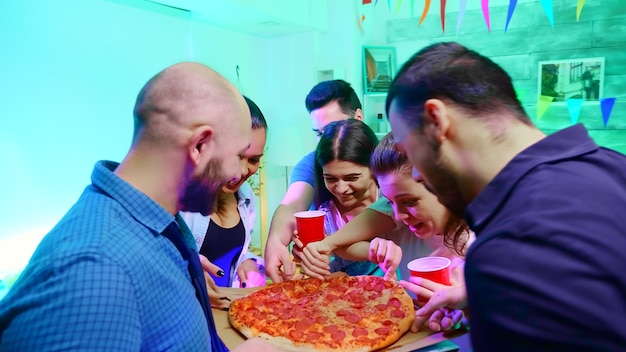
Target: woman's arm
x=365 y=226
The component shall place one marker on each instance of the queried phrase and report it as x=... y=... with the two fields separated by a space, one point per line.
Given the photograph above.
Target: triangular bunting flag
x=459 y=20
x=442 y=10
x=574 y=106
x=520 y=93
x=485 y=6
x=360 y=15
x=543 y=104
x=547 y=7
x=607 y=107
x=579 y=8
x=358 y=23
x=398 y=5
x=425 y=12
x=512 y=4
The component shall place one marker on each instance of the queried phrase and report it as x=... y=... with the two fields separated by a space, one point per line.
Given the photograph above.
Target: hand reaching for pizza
x=442 y=311
x=218 y=299
x=387 y=255
x=314 y=258
x=278 y=264
x=249 y=274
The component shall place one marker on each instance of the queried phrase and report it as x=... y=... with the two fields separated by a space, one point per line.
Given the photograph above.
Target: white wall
x=69 y=74
x=70 y=71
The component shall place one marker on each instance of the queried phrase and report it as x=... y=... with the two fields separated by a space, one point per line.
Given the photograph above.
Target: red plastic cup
x=436 y=269
x=310 y=225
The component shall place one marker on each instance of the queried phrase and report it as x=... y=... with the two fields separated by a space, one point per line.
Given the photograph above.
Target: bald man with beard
x=106 y=278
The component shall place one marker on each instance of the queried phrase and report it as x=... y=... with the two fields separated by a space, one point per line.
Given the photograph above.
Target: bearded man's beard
x=200 y=195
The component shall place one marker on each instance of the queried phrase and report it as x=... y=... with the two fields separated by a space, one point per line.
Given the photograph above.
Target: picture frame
x=571 y=79
x=379 y=68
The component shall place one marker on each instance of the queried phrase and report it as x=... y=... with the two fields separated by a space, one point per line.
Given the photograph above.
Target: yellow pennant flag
x=579 y=8
x=398 y=4
x=543 y=104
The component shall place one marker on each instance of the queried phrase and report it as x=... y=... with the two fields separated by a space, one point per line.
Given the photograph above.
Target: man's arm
x=348 y=242
x=299 y=197
x=363 y=227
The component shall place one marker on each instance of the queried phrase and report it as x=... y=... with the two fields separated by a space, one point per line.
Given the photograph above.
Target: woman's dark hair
x=258 y=120
x=346 y=140
x=387 y=159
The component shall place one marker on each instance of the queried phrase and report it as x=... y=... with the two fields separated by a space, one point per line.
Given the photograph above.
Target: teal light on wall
x=70 y=73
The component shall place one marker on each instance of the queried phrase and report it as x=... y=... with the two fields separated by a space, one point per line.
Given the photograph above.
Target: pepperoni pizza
x=350 y=313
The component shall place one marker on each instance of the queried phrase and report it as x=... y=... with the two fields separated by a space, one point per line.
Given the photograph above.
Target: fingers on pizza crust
x=362 y=313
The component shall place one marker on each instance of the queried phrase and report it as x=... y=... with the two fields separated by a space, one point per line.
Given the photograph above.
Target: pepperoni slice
x=394 y=302
x=285 y=316
x=304 y=324
x=331 y=297
x=296 y=334
x=276 y=289
x=338 y=336
x=382 y=330
x=313 y=335
x=321 y=319
x=303 y=301
x=352 y=318
x=398 y=313
x=379 y=287
x=339 y=287
x=259 y=315
x=359 y=331
x=343 y=312
x=381 y=306
x=300 y=314
x=329 y=329
x=358 y=305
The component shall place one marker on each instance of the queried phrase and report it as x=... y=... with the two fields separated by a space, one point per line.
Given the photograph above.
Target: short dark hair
x=450 y=71
x=386 y=159
x=328 y=91
x=258 y=120
x=346 y=140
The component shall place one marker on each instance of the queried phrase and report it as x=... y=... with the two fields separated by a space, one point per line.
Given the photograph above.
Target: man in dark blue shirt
x=110 y=275
x=546 y=272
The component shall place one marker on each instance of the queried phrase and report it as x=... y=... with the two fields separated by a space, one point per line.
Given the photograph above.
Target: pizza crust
x=287 y=345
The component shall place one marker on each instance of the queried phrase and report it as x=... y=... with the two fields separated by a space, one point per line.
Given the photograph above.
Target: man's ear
x=358 y=114
x=436 y=120
x=199 y=142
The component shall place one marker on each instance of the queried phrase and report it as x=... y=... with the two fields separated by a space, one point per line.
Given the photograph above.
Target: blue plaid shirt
x=104 y=279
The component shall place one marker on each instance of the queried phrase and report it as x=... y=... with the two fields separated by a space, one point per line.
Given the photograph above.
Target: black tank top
x=223 y=246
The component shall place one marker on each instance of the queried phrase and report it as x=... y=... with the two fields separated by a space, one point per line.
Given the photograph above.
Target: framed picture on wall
x=379 y=68
x=571 y=79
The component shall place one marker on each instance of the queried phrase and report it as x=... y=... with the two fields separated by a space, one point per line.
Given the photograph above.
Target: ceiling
x=265 y=18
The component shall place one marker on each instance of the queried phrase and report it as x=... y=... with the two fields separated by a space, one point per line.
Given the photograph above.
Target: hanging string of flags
x=574 y=106
x=545 y=4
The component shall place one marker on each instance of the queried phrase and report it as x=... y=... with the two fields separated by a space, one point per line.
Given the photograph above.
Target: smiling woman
x=342 y=162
